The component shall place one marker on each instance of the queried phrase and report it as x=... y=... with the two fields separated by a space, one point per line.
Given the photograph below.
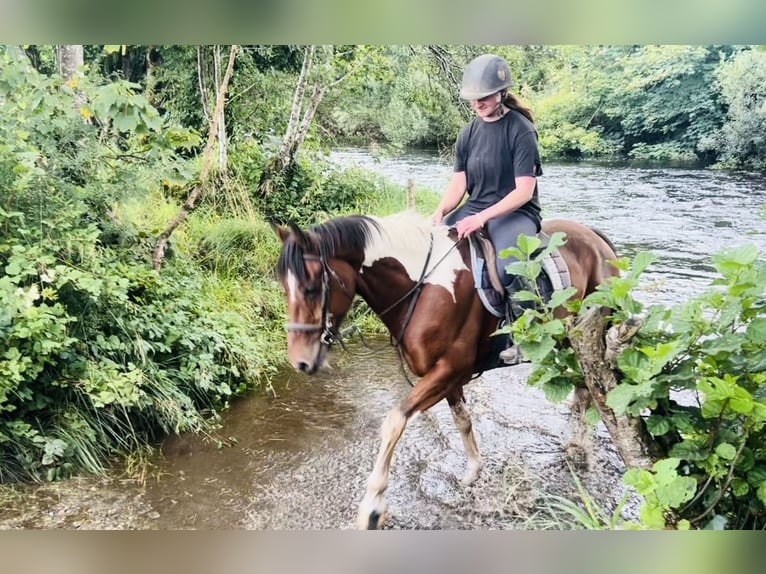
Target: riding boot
x=515 y=309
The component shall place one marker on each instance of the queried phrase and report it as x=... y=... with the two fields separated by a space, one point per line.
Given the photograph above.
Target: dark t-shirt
x=494 y=154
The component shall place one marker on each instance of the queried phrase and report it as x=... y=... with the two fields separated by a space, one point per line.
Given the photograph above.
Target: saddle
x=554 y=276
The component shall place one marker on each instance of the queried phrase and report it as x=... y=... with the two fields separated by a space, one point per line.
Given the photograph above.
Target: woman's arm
x=451 y=198
x=525 y=189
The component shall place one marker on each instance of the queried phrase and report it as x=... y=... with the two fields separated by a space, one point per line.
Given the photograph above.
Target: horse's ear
x=301 y=238
x=282 y=232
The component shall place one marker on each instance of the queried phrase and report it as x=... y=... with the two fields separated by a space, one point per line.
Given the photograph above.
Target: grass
x=558 y=512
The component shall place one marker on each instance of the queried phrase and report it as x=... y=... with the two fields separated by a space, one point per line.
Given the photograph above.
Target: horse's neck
x=395 y=265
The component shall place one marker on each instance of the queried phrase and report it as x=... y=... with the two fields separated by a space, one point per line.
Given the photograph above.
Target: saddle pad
x=554 y=277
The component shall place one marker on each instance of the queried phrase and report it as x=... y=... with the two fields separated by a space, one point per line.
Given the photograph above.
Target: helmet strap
x=500 y=110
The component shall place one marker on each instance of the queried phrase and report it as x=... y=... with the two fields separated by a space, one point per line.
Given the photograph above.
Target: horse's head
x=319 y=288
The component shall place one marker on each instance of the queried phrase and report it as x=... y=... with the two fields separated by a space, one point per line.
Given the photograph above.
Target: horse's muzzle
x=310 y=359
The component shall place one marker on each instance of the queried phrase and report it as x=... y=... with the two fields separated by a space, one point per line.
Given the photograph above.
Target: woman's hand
x=469 y=224
x=436 y=217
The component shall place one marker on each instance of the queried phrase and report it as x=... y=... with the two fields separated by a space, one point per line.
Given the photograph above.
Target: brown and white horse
x=416 y=278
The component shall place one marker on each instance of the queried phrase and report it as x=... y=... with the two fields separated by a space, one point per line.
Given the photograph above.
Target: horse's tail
x=603 y=236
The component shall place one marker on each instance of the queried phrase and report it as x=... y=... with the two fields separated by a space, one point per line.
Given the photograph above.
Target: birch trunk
x=207 y=162
x=634 y=444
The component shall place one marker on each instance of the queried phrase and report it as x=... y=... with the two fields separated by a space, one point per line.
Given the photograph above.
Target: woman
x=497 y=162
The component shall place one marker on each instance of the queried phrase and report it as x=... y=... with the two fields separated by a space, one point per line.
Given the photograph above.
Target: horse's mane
x=354 y=234
x=350 y=233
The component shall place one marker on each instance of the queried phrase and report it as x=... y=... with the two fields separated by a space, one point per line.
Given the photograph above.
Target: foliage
x=588 y=514
x=314 y=190
x=695 y=374
x=742 y=81
x=401 y=101
x=100 y=353
x=653 y=102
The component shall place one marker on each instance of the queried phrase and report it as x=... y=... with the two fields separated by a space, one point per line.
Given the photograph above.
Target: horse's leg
x=372 y=509
x=462 y=419
x=430 y=390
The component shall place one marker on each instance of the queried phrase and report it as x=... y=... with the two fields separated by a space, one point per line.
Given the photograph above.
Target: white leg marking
x=463 y=422
x=373 y=503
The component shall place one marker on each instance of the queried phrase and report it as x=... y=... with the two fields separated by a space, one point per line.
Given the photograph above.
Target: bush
x=695 y=374
x=100 y=353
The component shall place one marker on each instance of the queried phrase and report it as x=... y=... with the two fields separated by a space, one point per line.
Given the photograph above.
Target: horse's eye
x=311 y=292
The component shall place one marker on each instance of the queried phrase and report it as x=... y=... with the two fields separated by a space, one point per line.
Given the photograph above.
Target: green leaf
x=620 y=397
x=742 y=401
x=665 y=469
x=726 y=451
x=592 y=415
x=761 y=493
x=556 y=390
x=739 y=256
x=676 y=492
x=658 y=425
x=739 y=487
x=641 y=261
x=689 y=450
x=559 y=297
x=642 y=480
x=528 y=244
x=757 y=475
x=756 y=331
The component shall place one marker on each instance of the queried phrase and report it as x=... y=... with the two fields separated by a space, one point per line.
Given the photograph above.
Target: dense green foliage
x=696 y=374
x=638 y=102
x=678 y=102
x=100 y=352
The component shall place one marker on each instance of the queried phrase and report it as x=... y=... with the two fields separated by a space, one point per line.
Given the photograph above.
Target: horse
x=416 y=277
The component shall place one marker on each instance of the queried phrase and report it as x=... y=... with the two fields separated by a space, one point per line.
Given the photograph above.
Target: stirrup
x=513 y=355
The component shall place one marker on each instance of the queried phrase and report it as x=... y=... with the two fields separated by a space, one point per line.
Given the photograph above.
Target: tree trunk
x=71 y=58
x=222 y=143
x=201 y=82
x=207 y=162
x=634 y=444
x=292 y=139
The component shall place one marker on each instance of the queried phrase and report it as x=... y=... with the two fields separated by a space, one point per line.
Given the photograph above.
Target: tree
x=318 y=75
x=742 y=82
x=71 y=58
x=207 y=161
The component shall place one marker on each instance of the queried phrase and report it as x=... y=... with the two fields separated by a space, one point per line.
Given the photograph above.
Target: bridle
x=330 y=333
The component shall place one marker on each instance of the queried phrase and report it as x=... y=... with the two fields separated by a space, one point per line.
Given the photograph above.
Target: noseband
x=329 y=332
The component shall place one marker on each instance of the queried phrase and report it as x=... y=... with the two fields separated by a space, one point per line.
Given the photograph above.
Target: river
x=682 y=215
x=299 y=459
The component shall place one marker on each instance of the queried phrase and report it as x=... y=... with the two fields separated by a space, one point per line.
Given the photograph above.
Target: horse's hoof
x=374 y=521
x=470 y=476
x=371 y=518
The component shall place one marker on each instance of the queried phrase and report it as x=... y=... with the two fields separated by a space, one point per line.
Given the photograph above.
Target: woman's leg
x=463 y=211
x=505 y=232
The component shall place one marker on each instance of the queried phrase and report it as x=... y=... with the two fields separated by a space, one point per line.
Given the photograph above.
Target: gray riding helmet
x=484 y=76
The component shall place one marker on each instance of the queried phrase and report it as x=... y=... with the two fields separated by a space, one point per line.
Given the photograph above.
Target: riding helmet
x=484 y=76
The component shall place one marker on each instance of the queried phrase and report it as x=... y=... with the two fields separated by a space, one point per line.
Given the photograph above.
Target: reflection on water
x=682 y=215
